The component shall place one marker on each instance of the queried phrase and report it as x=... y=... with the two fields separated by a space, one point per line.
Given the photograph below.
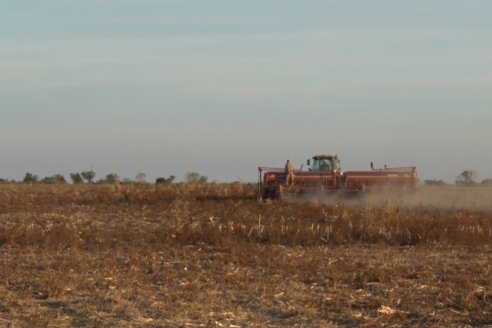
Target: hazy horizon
x=218 y=87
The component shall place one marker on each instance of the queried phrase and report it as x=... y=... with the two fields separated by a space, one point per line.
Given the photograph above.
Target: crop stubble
x=211 y=255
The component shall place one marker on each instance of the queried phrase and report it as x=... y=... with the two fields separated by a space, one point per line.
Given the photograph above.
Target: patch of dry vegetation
x=210 y=255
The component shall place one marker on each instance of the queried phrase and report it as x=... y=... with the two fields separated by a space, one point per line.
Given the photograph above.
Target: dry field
x=212 y=256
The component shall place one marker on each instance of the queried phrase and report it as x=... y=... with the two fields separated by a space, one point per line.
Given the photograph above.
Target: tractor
x=324 y=175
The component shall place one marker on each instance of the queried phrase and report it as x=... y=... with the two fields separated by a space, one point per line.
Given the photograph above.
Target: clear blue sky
x=220 y=87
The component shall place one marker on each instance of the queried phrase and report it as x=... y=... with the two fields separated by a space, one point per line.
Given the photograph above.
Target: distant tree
x=88 y=176
x=467 y=178
x=162 y=180
x=111 y=178
x=55 y=179
x=434 y=183
x=195 y=177
x=46 y=180
x=30 y=178
x=486 y=183
x=4 y=181
x=58 y=178
x=140 y=178
x=76 y=178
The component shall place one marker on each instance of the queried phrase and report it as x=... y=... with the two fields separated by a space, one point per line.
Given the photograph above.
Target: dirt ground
x=213 y=256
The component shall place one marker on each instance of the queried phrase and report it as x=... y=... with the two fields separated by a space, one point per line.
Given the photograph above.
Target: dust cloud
x=446 y=197
x=452 y=197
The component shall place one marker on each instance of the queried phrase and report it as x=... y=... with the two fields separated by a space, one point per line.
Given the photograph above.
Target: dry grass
x=212 y=256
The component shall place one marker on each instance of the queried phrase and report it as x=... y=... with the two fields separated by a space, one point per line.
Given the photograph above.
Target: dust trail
x=447 y=197
x=452 y=197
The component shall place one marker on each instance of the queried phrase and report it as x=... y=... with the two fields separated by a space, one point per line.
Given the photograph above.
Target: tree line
x=466 y=178
x=89 y=177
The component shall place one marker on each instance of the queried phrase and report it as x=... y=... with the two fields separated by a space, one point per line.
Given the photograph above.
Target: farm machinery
x=324 y=175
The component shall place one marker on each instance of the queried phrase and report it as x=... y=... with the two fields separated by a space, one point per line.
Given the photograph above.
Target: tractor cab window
x=336 y=164
x=322 y=165
x=325 y=165
x=329 y=164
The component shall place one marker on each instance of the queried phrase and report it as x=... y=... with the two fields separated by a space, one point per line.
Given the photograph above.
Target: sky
x=221 y=87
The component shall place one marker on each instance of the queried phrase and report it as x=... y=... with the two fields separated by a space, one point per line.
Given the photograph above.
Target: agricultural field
x=211 y=255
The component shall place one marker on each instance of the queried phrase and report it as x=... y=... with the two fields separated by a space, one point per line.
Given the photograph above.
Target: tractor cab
x=325 y=163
